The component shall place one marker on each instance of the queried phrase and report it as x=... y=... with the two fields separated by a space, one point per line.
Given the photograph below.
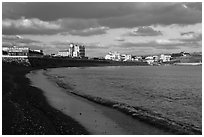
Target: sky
x=137 y=28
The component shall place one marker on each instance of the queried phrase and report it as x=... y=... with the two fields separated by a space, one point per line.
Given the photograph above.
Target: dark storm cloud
x=65 y=17
x=194 y=5
x=144 y=31
x=156 y=14
x=76 y=24
x=48 y=11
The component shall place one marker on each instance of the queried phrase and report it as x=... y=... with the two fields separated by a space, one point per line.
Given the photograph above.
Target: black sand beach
x=26 y=111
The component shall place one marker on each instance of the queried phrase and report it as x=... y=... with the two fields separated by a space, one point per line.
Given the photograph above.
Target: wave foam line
x=139 y=113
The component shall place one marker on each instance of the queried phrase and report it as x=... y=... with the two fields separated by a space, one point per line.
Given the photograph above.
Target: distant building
x=76 y=50
x=165 y=58
x=156 y=58
x=64 y=53
x=185 y=54
x=38 y=50
x=136 y=58
x=35 y=52
x=149 y=59
x=20 y=51
x=174 y=55
x=126 y=57
x=113 y=56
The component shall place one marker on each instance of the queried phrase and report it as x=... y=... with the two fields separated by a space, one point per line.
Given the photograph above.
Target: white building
x=156 y=58
x=137 y=58
x=64 y=53
x=149 y=59
x=113 y=56
x=76 y=50
x=21 y=51
x=165 y=58
x=5 y=48
x=126 y=57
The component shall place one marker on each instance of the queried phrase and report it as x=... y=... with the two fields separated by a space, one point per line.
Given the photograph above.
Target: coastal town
x=102 y=68
x=77 y=51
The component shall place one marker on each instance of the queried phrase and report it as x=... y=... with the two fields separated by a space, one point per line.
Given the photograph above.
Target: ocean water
x=175 y=92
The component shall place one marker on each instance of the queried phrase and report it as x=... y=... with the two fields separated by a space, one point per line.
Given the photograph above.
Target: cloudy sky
x=133 y=28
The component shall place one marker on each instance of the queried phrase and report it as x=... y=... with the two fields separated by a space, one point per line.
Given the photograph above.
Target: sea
x=174 y=92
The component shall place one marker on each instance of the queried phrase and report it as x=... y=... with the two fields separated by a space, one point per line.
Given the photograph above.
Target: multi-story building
x=76 y=50
x=21 y=51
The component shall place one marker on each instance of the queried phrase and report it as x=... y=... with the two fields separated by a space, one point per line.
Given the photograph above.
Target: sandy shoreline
x=144 y=115
x=25 y=110
x=97 y=119
x=28 y=110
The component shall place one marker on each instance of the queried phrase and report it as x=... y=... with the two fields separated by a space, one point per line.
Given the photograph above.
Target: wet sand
x=25 y=110
x=97 y=119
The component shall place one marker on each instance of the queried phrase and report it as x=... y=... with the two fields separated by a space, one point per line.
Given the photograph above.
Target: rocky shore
x=25 y=110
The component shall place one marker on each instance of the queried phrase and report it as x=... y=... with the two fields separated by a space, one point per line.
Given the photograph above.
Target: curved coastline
x=142 y=114
x=138 y=113
x=98 y=119
x=25 y=110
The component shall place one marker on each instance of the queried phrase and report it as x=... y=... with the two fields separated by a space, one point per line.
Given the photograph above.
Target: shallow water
x=97 y=119
x=174 y=92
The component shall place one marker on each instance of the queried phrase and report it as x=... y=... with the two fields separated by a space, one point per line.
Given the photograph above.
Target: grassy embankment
x=25 y=109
